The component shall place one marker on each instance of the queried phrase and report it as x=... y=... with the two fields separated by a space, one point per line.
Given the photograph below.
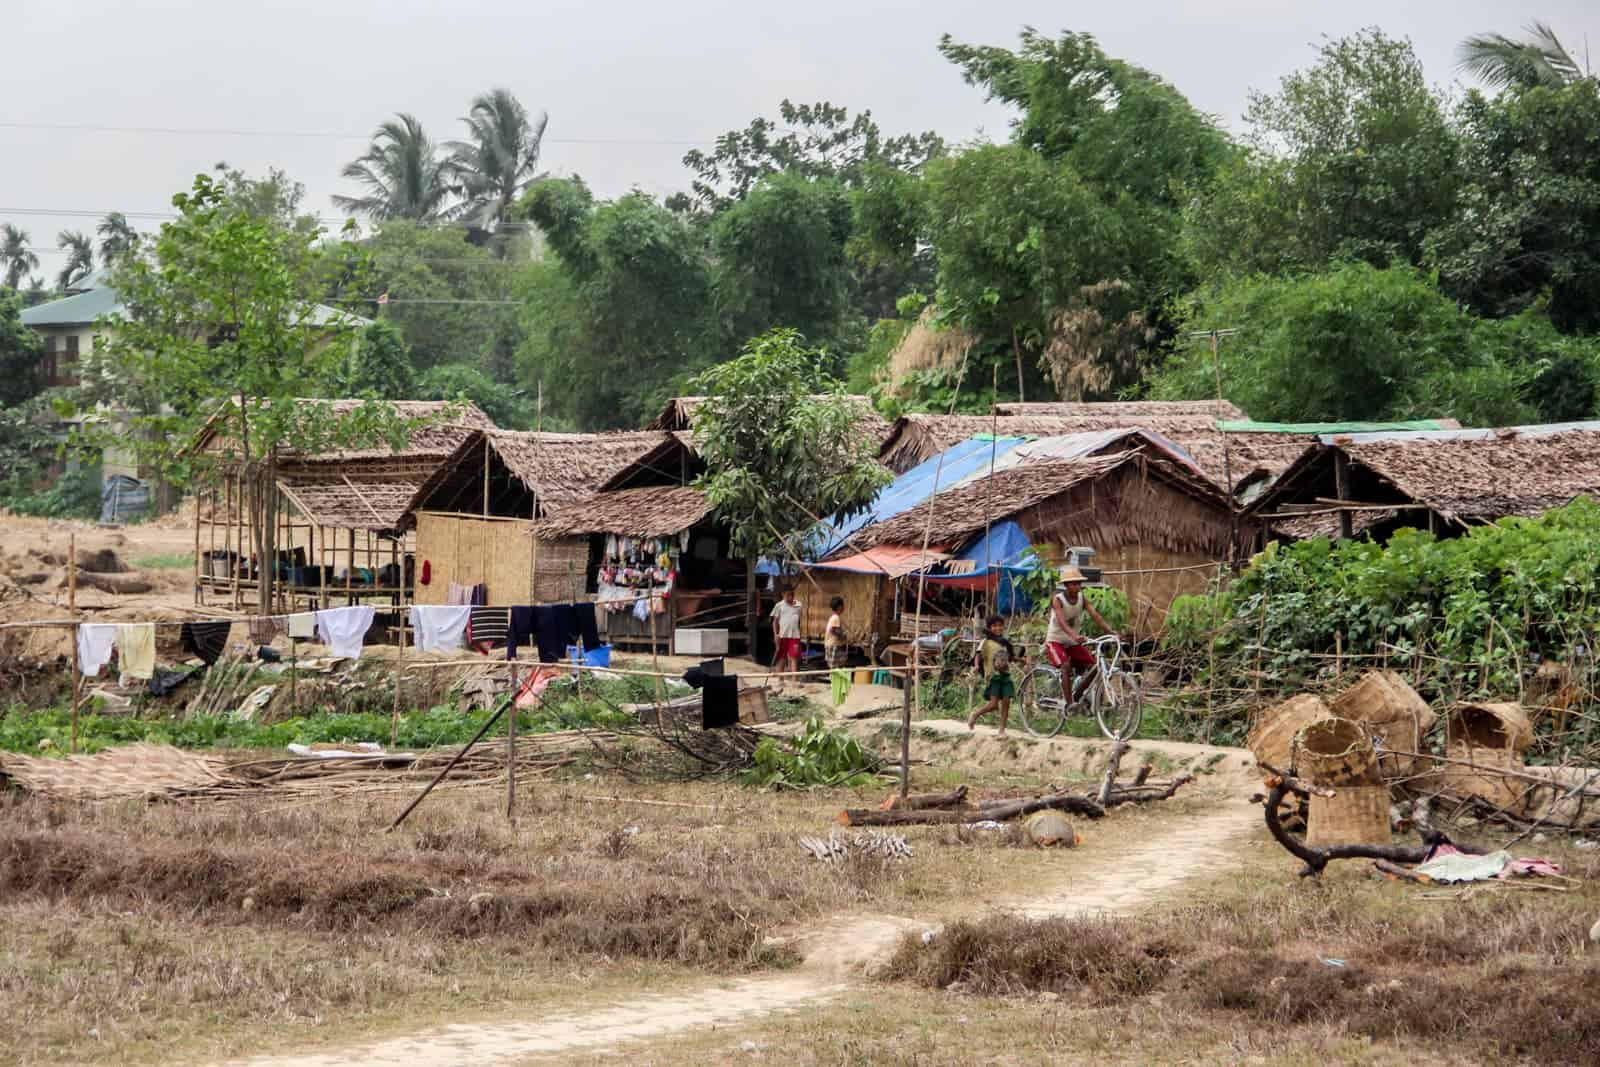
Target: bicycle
x=1106 y=691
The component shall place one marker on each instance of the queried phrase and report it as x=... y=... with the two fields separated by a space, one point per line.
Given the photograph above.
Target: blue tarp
x=917 y=485
x=1009 y=556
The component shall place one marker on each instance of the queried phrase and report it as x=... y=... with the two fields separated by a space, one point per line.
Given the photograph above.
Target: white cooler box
x=700 y=642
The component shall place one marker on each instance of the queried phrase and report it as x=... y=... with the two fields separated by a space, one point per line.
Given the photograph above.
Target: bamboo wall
x=500 y=553
x=868 y=604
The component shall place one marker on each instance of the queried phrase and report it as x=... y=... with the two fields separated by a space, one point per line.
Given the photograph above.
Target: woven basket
x=1354 y=815
x=1271 y=739
x=1393 y=713
x=1503 y=726
x=1336 y=752
x=1481 y=780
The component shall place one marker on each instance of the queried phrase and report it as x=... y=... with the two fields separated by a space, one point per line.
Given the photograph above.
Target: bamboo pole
x=905 y=728
x=198 y=596
x=399 y=672
x=72 y=608
x=511 y=747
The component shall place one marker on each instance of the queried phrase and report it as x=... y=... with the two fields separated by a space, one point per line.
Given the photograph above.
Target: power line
x=178 y=131
x=166 y=216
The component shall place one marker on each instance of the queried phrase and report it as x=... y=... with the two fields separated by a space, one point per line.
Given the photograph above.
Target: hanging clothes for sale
x=136 y=650
x=96 y=642
x=439 y=627
x=206 y=640
x=344 y=630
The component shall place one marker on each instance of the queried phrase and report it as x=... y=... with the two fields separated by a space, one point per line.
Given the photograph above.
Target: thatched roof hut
x=651 y=511
x=1440 y=480
x=525 y=474
x=916 y=438
x=679 y=415
x=1134 y=409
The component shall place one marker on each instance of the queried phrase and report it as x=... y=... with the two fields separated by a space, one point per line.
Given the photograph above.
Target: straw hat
x=1071 y=574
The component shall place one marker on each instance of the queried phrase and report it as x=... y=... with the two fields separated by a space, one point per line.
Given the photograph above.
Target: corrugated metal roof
x=79 y=310
x=1503 y=433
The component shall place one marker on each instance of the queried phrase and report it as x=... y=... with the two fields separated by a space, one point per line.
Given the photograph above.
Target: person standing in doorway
x=786 y=633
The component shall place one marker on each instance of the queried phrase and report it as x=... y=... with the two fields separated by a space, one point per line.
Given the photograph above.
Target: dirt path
x=836 y=953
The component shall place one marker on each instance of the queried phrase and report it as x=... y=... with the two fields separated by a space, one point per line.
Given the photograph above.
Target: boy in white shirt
x=786 y=632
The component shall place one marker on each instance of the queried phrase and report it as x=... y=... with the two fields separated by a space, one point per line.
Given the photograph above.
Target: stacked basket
x=1339 y=754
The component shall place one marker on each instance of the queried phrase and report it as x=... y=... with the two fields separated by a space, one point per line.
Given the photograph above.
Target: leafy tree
x=80 y=257
x=1120 y=126
x=378 y=365
x=222 y=318
x=1353 y=342
x=810 y=140
x=1530 y=211
x=499 y=159
x=403 y=175
x=276 y=199
x=775 y=457
x=117 y=238
x=457 y=287
x=622 y=309
x=20 y=352
x=1540 y=61
x=18 y=258
x=780 y=255
x=507 y=406
x=1352 y=158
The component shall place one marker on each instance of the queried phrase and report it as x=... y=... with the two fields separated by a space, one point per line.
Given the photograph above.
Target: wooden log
x=116 y=584
x=1002 y=812
x=925 y=801
x=1113 y=764
x=1145 y=794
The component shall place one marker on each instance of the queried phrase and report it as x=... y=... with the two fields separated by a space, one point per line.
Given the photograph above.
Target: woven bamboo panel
x=507 y=561
x=1354 y=815
x=1271 y=739
x=436 y=546
x=562 y=572
x=868 y=603
x=1481 y=780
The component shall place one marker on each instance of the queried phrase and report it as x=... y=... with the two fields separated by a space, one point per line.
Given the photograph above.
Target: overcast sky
x=629 y=85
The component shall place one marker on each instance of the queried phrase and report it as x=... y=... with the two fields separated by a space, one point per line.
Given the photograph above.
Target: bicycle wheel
x=1043 y=705
x=1120 y=715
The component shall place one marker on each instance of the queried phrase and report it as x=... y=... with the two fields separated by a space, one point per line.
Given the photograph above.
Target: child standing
x=994 y=657
x=833 y=641
x=786 y=633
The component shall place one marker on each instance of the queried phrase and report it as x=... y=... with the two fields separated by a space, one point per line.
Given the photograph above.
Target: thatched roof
x=673 y=460
x=435 y=440
x=654 y=511
x=1137 y=409
x=960 y=513
x=551 y=470
x=916 y=438
x=351 y=505
x=679 y=415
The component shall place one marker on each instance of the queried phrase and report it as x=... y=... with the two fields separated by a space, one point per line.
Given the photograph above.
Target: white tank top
x=1073 y=610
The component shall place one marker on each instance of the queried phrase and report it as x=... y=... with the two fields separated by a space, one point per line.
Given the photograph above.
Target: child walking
x=994 y=657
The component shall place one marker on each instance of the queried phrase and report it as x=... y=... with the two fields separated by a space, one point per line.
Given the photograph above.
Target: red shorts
x=789 y=648
x=1060 y=655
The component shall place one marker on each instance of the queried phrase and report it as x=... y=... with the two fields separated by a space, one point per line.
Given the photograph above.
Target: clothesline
x=893 y=672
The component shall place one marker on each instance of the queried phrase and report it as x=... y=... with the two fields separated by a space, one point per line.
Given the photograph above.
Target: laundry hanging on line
x=96 y=642
x=439 y=627
x=136 y=650
x=344 y=630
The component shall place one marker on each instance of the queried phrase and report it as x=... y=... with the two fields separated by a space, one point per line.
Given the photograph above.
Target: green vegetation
x=820 y=756
x=166 y=561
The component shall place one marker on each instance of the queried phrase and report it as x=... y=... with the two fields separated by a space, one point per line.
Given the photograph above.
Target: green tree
x=499 y=159
x=80 y=257
x=378 y=364
x=1353 y=342
x=118 y=238
x=507 y=406
x=19 y=259
x=775 y=457
x=222 y=318
x=810 y=140
x=1540 y=61
x=20 y=352
x=780 y=258
x=1529 y=222
x=403 y=175
x=623 y=310
x=1352 y=158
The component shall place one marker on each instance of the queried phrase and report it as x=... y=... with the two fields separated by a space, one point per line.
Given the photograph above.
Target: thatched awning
x=350 y=505
x=653 y=511
x=452 y=423
x=679 y=415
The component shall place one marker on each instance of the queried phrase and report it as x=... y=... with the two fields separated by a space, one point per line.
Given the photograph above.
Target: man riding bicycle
x=1063 y=641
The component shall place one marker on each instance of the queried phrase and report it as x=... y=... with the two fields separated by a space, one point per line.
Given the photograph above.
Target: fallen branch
x=1113 y=763
x=1145 y=793
x=1001 y=812
x=1316 y=859
x=956 y=798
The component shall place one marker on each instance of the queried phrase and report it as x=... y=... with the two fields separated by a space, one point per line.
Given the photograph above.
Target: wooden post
x=486 y=475
x=905 y=724
x=511 y=748
x=1341 y=481
x=72 y=610
x=350 y=571
x=399 y=673
x=655 y=656
x=198 y=597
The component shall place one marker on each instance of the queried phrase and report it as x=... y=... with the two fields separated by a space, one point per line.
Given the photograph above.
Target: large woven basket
x=1354 y=815
x=1271 y=739
x=1482 y=779
x=1336 y=752
x=1394 y=714
x=1504 y=726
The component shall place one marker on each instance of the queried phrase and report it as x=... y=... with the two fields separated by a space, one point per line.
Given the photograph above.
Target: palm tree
x=403 y=174
x=500 y=159
x=15 y=254
x=1541 y=60
x=80 y=257
x=117 y=238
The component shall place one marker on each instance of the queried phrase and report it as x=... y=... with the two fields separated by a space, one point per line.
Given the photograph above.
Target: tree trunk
x=1010 y=809
x=926 y=801
x=267 y=572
